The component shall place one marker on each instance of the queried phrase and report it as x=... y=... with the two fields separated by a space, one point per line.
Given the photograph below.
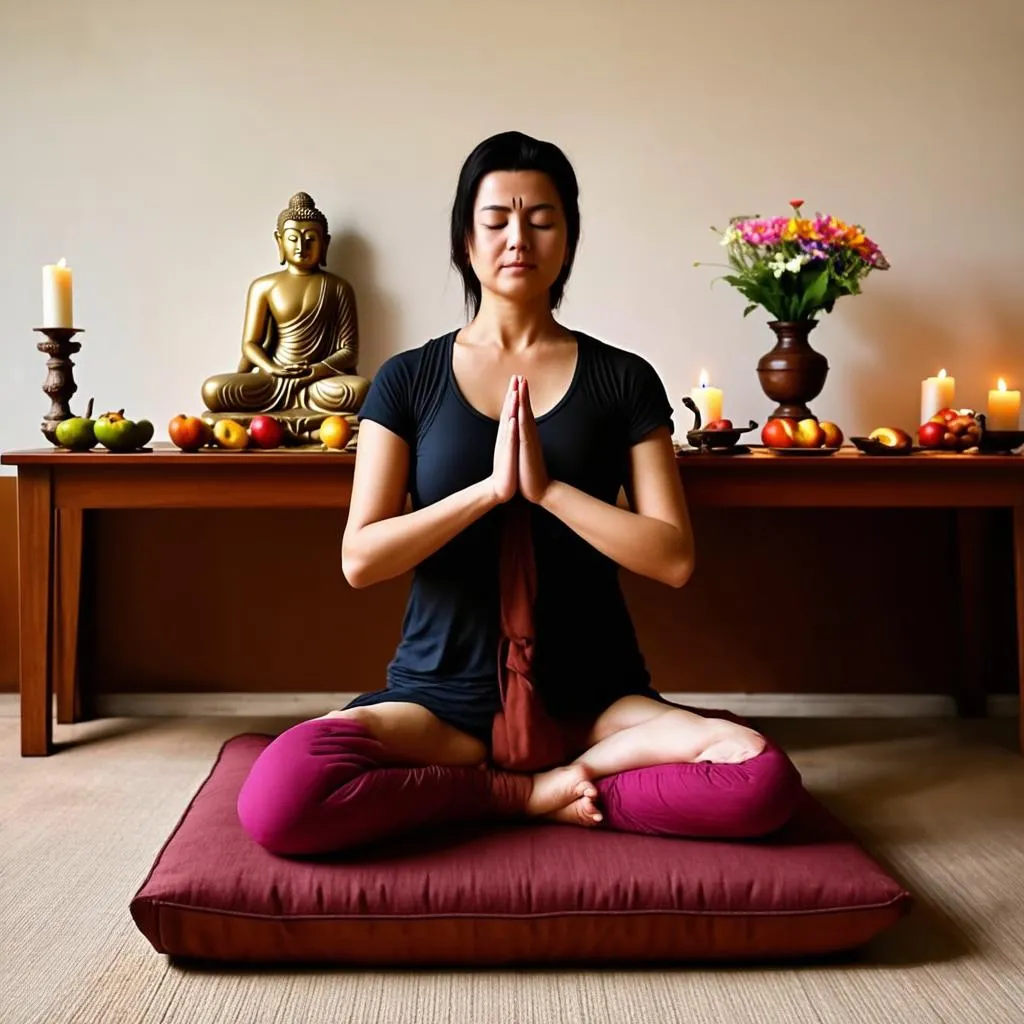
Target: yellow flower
x=799 y=227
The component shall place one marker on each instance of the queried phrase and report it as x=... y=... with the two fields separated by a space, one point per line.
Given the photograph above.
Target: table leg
x=35 y=556
x=969 y=689
x=67 y=590
x=1018 y=556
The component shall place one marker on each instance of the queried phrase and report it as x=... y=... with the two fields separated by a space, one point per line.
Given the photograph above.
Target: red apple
x=779 y=433
x=944 y=416
x=189 y=433
x=809 y=434
x=930 y=434
x=833 y=435
x=719 y=425
x=266 y=432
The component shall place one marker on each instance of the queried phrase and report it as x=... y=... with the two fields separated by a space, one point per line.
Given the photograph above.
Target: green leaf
x=750 y=309
x=814 y=294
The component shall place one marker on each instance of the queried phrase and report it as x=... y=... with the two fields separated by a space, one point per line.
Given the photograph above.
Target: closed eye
x=538 y=227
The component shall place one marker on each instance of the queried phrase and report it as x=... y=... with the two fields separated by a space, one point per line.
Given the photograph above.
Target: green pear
x=77 y=433
x=143 y=433
x=119 y=434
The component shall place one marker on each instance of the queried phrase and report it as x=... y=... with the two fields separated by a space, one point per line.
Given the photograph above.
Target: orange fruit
x=335 y=432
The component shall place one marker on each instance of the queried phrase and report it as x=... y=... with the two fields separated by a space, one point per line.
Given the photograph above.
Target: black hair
x=512 y=151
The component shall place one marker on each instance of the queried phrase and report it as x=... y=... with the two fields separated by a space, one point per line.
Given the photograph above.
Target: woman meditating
x=514 y=436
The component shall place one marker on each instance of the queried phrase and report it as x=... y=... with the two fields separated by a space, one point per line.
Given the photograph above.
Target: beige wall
x=153 y=145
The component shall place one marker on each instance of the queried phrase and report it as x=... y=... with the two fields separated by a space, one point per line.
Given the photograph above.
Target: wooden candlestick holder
x=60 y=380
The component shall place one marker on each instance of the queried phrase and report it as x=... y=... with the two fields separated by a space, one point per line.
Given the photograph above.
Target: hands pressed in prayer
x=505 y=471
x=533 y=474
x=518 y=458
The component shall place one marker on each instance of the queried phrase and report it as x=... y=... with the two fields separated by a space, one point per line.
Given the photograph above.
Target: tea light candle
x=57 y=296
x=708 y=400
x=1003 y=408
x=937 y=393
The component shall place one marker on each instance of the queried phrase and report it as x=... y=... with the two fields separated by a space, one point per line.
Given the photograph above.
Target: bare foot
x=558 y=789
x=732 y=744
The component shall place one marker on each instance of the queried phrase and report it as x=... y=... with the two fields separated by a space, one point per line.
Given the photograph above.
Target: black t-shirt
x=585 y=651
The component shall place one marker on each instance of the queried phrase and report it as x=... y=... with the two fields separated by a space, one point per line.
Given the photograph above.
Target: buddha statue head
x=301 y=235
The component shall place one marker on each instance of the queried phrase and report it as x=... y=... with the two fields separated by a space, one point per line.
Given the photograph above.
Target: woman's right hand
x=505 y=474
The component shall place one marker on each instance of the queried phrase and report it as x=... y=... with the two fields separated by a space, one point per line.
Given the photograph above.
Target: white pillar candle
x=57 y=296
x=1003 y=409
x=937 y=393
x=708 y=400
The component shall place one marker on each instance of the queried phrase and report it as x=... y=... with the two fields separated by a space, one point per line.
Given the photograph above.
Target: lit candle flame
x=942 y=373
x=704 y=381
x=63 y=262
x=1001 y=385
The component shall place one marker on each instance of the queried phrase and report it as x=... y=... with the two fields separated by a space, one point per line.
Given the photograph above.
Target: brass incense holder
x=712 y=440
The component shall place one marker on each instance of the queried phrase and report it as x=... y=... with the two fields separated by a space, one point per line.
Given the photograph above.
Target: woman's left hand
x=533 y=474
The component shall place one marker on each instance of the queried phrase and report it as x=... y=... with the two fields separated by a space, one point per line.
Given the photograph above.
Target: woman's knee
x=764 y=792
x=281 y=801
x=710 y=800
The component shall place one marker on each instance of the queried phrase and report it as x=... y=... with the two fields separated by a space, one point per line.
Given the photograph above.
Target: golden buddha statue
x=300 y=342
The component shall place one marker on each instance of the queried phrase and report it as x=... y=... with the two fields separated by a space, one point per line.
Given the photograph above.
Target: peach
x=189 y=433
x=335 y=432
x=892 y=437
x=833 y=435
x=779 y=433
x=809 y=434
x=230 y=434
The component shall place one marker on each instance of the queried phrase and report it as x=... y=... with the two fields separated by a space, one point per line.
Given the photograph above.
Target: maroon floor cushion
x=503 y=894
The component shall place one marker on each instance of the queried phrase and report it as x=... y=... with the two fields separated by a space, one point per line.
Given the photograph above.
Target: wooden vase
x=792 y=373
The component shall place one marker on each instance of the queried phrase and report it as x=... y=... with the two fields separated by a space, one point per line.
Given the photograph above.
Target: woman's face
x=517 y=246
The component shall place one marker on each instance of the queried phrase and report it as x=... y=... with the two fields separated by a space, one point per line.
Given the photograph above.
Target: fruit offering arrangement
x=783 y=433
x=190 y=433
x=113 y=430
x=950 y=430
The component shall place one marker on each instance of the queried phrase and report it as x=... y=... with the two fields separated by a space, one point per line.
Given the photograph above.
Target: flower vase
x=792 y=373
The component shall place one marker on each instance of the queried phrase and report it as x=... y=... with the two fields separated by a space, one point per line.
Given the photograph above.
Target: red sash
x=524 y=736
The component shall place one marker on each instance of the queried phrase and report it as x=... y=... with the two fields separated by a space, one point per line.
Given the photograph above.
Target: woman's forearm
x=646 y=546
x=389 y=547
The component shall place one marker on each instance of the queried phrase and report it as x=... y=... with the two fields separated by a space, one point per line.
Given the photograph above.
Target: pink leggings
x=323 y=786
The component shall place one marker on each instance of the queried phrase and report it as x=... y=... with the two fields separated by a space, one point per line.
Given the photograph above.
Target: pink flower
x=762 y=231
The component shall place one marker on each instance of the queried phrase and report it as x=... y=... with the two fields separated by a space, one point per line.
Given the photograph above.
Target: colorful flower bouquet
x=795 y=267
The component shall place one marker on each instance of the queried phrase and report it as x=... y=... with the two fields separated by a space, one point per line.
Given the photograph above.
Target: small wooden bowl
x=712 y=440
x=869 y=446
x=1000 y=442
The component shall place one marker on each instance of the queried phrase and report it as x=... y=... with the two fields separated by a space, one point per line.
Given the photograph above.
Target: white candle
x=57 y=296
x=1003 y=409
x=937 y=393
x=708 y=400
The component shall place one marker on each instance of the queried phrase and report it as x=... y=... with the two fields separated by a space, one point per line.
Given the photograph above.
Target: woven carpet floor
x=940 y=802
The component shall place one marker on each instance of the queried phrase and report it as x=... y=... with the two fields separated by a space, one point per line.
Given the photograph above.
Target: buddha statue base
x=301 y=426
